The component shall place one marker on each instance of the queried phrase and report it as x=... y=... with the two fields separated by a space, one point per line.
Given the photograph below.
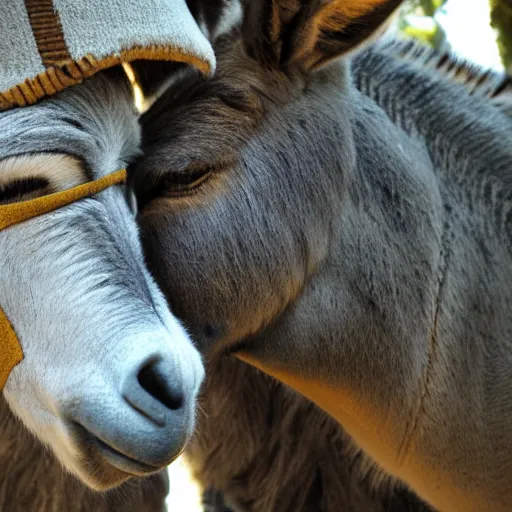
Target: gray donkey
x=109 y=377
x=346 y=229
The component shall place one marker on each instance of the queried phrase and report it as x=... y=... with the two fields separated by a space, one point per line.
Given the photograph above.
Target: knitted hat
x=48 y=45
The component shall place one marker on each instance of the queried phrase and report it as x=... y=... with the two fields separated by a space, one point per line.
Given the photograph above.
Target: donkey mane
x=462 y=132
x=478 y=80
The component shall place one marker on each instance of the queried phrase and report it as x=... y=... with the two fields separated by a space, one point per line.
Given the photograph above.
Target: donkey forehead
x=211 y=121
x=95 y=123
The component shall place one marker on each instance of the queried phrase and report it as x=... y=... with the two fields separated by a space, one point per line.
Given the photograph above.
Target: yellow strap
x=11 y=352
x=15 y=213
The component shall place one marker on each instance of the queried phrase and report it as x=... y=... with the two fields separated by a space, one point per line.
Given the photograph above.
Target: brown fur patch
x=349 y=10
x=33 y=480
x=347 y=408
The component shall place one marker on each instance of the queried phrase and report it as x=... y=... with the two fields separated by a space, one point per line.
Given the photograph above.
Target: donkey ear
x=310 y=33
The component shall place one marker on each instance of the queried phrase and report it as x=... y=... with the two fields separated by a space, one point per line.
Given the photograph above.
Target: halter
x=11 y=352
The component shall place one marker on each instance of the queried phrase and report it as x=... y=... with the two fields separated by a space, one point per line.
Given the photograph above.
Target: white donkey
x=91 y=360
x=109 y=377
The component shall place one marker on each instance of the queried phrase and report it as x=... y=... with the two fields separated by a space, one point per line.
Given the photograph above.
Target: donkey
x=346 y=229
x=261 y=459
x=248 y=442
x=109 y=377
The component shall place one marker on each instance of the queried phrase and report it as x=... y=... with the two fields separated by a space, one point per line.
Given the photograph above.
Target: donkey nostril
x=156 y=388
x=152 y=379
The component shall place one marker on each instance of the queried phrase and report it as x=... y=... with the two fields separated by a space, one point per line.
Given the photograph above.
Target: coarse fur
x=33 y=480
x=261 y=446
x=489 y=83
x=347 y=225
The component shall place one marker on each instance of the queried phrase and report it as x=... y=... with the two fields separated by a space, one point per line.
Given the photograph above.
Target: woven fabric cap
x=48 y=45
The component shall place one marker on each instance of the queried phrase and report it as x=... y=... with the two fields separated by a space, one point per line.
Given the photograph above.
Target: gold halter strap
x=16 y=213
x=11 y=352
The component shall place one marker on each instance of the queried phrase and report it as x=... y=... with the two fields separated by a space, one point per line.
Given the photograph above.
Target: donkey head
x=109 y=378
x=329 y=235
x=242 y=176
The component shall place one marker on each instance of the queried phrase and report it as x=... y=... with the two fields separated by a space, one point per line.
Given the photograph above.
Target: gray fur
x=70 y=124
x=495 y=85
x=355 y=229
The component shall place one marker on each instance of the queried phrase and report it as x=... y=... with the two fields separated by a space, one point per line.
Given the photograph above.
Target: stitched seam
x=58 y=78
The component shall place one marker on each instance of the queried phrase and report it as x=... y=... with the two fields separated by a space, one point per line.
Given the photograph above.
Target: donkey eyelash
x=186 y=183
x=18 y=188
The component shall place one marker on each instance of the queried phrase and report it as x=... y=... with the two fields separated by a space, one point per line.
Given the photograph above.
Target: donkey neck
x=467 y=138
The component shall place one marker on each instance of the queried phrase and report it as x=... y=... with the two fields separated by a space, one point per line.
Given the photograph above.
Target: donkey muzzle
x=144 y=425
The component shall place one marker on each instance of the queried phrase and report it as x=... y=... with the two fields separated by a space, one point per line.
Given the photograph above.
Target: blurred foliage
x=501 y=20
x=417 y=19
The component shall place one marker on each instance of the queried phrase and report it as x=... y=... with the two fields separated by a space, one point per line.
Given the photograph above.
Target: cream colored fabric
x=48 y=45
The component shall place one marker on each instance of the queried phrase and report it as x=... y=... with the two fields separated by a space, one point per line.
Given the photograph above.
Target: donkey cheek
x=11 y=353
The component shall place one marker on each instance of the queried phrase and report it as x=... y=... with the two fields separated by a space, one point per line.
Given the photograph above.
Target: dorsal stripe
x=47 y=30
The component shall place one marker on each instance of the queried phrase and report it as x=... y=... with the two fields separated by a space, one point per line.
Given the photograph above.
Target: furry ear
x=309 y=33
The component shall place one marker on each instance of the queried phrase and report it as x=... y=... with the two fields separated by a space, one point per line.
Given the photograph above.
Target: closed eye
x=175 y=184
x=20 y=188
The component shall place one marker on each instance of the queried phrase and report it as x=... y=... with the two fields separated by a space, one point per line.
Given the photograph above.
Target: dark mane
x=476 y=79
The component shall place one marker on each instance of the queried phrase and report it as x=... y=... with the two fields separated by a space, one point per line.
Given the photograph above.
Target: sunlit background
x=465 y=27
